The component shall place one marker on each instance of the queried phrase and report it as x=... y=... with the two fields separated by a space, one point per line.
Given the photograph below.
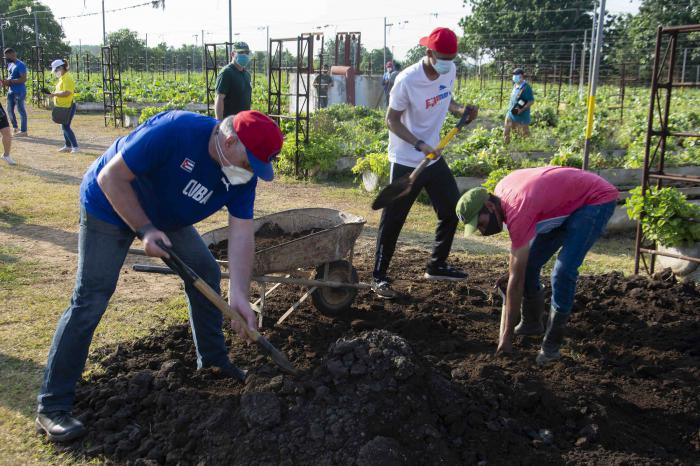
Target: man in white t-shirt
x=418 y=105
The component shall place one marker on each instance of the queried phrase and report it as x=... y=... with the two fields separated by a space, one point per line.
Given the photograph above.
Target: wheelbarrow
x=328 y=253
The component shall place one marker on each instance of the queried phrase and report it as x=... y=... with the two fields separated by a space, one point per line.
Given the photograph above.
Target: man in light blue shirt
x=16 y=96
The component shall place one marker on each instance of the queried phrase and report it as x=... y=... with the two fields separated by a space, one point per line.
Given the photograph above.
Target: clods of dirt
x=415 y=382
x=267 y=236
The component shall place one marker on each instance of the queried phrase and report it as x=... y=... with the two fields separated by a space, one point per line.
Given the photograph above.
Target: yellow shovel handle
x=443 y=142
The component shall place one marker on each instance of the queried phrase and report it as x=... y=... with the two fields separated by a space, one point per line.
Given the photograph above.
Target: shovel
x=189 y=276
x=402 y=186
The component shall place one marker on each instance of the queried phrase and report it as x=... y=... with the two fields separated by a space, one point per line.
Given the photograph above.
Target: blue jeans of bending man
x=16 y=99
x=102 y=250
x=68 y=134
x=575 y=237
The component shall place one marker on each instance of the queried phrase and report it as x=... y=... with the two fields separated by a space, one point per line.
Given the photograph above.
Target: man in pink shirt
x=545 y=210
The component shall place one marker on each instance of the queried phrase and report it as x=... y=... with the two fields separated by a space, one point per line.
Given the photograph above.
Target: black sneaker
x=59 y=426
x=444 y=272
x=382 y=287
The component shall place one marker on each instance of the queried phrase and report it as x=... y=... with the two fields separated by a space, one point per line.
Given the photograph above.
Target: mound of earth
x=415 y=382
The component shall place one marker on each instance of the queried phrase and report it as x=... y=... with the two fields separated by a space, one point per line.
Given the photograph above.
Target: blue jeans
x=68 y=133
x=15 y=99
x=102 y=249
x=575 y=237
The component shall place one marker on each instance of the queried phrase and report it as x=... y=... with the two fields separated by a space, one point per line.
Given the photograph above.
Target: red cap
x=262 y=138
x=442 y=40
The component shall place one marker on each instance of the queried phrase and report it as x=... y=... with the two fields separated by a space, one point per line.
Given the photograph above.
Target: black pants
x=441 y=186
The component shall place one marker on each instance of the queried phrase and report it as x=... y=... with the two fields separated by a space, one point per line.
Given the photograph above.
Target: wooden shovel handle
x=224 y=307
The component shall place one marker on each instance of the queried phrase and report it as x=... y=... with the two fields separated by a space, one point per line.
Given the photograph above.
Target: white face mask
x=442 y=66
x=235 y=175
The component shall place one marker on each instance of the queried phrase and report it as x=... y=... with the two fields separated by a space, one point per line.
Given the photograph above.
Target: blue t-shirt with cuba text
x=15 y=70
x=177 y=182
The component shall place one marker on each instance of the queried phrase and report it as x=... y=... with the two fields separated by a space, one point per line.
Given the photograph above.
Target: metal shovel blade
x=392 y=191
x=277 y=356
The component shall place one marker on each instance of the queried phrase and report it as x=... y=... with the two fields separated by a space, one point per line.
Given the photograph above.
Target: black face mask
x=10 y=60
x=493 y=227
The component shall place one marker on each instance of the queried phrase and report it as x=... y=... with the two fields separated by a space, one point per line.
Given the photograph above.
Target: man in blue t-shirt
x=17 y=76
x=521 y=99
x=171 y=172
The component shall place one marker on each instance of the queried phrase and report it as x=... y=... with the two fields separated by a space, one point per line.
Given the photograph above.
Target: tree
x=639 y=31
x=524 y=31
x=20 y=34
x=129 y=44
x=414 y=55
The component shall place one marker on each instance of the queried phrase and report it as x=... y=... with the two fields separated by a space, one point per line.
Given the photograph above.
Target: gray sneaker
x=383 y=289
x=8 y=159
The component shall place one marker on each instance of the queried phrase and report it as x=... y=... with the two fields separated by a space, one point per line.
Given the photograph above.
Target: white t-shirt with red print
x=424 y=104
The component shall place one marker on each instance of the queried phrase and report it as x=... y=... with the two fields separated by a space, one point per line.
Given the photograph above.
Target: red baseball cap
x=262 y=139
x=442 y=40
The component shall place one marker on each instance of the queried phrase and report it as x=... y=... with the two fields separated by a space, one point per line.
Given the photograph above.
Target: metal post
x=384 y=49
x=685 y=58
x=594 y=40
x=582 y=67
x=500 y=99
x=146 y=53
x=623 y=82
x=571 y=65
x=104 y=28
x=203 y=52
x=230 y=30
x=561 y=74
x=2 y=32
x=593 y=86
x=697 y=74
x=36 y=29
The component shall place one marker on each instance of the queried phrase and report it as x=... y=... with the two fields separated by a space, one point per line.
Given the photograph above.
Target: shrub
x=667 y=216
x=544 y=116
x=376 y=162
x=494 y=178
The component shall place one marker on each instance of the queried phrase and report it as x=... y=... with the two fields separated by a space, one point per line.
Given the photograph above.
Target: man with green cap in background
x=233 y=88
x=545 y=209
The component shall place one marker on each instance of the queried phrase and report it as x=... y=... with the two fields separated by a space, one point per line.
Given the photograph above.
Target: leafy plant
x=131 y=111
x=566 y=157
x=667 y=216
x=495 y=177
x=376 y=162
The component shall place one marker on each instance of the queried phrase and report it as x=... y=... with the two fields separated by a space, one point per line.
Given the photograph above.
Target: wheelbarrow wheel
x=333 y=301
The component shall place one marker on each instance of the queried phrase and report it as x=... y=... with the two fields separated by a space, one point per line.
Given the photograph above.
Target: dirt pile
x=269 y=235
x=415 y=382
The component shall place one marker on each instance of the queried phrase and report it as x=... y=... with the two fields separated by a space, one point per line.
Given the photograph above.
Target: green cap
x=241 y=47
x=468 y=208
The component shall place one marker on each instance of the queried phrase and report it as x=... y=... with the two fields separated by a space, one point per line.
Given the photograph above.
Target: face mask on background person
x=242 y=59
x=442 y=66
x=517 y=78
x=235 y=175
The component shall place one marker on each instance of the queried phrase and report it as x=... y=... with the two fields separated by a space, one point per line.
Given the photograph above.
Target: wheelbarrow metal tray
x=339 y=233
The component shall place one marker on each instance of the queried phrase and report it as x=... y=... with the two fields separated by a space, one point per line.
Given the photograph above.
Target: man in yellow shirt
x=63 y=97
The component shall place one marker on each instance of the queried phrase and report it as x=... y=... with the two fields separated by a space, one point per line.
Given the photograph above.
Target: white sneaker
x=64 y=149
x=8 y=159
x=75 y=150
x=21 y=134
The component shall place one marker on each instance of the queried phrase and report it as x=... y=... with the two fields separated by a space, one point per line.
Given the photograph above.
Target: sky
x=182 y=21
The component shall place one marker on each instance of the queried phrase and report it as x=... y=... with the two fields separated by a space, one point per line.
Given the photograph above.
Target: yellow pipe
x=444 y=141
x=589 y=117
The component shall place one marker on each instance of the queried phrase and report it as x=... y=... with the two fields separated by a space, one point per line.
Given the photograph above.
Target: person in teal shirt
x=521 y=99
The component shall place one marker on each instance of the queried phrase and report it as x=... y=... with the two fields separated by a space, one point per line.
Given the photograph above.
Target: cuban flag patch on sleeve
x=187 y=165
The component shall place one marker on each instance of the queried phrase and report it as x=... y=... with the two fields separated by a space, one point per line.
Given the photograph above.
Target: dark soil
x=415 y=382
x=269 y=235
